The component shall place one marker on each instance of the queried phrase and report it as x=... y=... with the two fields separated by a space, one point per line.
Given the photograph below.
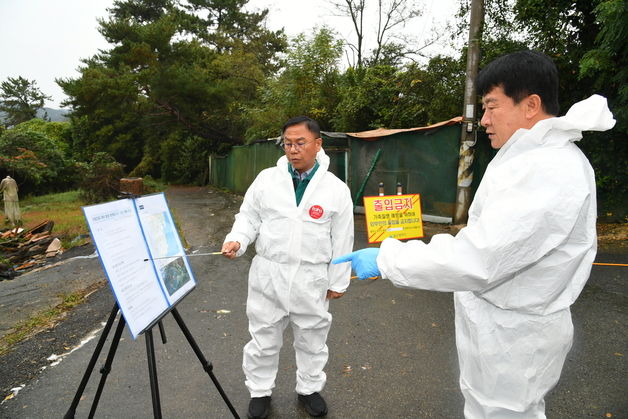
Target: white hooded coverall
x=291 y=272
x=517 y=266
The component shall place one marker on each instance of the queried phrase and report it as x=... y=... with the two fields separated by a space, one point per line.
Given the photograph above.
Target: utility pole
x=469 y=112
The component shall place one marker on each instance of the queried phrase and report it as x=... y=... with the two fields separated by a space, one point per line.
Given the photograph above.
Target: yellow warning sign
x=397 y=216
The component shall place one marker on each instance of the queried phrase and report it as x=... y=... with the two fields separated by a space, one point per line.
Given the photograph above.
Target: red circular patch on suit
x=316 y=211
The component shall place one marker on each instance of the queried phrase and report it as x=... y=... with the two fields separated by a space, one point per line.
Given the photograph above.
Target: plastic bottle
x=381 y=188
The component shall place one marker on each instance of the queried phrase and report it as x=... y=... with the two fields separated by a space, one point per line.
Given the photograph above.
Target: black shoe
x=314 y=404
x=259 y=407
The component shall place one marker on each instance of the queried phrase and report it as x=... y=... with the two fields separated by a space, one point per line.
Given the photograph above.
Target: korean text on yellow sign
x=397 y=216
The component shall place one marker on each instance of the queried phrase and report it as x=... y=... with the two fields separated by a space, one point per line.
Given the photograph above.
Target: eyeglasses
x=297 y=146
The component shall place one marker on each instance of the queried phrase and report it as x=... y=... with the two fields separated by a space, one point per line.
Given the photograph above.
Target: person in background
x=527 y=250
x=301 y=217
x=9 y=188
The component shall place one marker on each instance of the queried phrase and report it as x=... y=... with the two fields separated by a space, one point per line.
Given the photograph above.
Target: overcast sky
x=44 y=39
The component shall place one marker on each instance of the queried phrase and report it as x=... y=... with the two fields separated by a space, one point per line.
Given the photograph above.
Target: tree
x=431 y=93
x=34 y=159
x=390 y=44
x=100 y=178
x=368 y=96
x=588 y=42
x=308 y=85
x=58 y=132
x=20 y=99
x=606 y=64
x=409 y=96
x=354 y=9
x=175 y=69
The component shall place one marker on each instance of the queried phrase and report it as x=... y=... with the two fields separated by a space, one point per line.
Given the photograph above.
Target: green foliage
x=379 y=94
x=151 y=185
x=186 y=78
x=308 y=86
x=20 y=99
x=187 y=159
x=588 y=41
x=606 y=65
x=101 y=125
x=406 y=97
x=611 y=173
x=59 y=135
x=427 y=94
x=33 y=159
x=100 y=178
x=42 y=202
x=175 y=68
x=367 y=95
x=149 y=166
x=58 y=132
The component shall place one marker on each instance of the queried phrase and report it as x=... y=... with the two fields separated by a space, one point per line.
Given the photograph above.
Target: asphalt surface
x=392 y=351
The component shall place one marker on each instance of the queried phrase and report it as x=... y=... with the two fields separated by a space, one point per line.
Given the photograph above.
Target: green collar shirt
x=301 y=180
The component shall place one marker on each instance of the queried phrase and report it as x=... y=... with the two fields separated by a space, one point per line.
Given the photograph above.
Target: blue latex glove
x=363 y=262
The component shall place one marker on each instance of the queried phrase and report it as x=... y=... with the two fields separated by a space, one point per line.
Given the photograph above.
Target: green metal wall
x=238 y=169
x=425 y=162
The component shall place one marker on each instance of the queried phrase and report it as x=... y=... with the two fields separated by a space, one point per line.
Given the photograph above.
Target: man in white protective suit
x=527 y=249
x=302 y=217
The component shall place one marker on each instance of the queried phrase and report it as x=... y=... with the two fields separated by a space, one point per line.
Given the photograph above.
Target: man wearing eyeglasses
x=301 y=217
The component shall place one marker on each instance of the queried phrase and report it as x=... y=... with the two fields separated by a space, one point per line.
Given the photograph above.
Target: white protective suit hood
x=591 y=114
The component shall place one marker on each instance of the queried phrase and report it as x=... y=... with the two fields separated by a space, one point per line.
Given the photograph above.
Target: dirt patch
x=612 y=232
x=613 y=237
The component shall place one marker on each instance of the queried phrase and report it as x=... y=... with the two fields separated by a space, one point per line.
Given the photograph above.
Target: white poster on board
x=129 y=235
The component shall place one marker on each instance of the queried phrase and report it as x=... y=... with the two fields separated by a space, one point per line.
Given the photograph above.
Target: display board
x=142 y=256
x=396 y=216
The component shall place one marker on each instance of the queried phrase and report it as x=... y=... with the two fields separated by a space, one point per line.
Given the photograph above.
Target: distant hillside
x=55 y=115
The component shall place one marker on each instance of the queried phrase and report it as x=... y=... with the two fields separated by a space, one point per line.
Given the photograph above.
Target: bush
x=150 y=185
x=184 y=159
x=100 y=178
x=34 y=159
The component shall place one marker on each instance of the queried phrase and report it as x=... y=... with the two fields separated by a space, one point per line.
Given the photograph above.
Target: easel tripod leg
x=90 y=367
x=207 y=366
x=152 y=372
x=107 y=366
x=162 y=332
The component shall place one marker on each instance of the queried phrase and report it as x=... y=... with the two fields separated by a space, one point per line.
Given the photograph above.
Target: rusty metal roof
x=376 y=134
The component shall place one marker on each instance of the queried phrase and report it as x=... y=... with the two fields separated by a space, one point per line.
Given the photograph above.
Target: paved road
x=392 y=351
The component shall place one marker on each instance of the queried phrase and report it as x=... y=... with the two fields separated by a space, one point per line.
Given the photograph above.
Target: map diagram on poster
x=142 y=256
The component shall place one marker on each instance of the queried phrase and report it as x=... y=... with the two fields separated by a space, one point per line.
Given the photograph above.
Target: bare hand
x=229 y=249
x=332 y=295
